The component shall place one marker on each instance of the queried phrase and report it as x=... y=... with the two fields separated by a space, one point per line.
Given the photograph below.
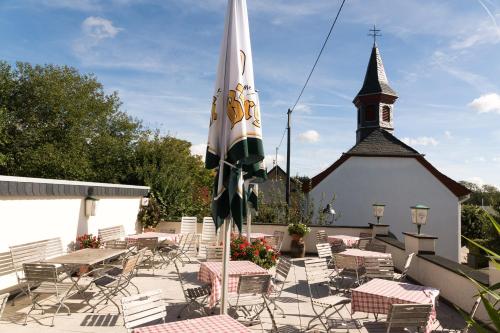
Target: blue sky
x=442 y=58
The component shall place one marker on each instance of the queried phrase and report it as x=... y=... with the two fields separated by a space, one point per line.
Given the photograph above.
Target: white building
x=382 y=169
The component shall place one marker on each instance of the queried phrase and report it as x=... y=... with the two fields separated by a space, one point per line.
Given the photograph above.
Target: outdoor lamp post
x=419 y=214
x=378 y=211
x=330 y=211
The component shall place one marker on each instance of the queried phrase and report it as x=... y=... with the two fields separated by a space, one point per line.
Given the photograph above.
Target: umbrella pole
x=249 y=223
x=225 y=263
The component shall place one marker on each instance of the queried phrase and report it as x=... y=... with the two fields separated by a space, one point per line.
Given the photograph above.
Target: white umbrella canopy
x=235 y=133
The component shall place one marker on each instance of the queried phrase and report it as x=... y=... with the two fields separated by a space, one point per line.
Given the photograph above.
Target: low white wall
x=454 y=287
x=32 y=218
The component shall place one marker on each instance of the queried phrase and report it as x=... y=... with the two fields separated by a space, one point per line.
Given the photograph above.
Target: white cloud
x=199 y=150
x=421 y=141
x=486 y=103
x=99 y=28
x=448 y=135
x=476 y=180
x=303 y=108
x=309 y=136
x=269 y=160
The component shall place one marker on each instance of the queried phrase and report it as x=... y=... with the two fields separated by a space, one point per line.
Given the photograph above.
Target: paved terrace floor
x=294 y=300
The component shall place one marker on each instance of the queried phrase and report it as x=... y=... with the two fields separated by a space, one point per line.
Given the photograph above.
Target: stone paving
x=294 y=300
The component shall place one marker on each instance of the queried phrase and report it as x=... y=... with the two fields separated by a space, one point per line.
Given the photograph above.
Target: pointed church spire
x=375 y=100
x=375 y=79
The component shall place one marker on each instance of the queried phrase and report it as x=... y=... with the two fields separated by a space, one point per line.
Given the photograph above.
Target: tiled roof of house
x=381 y=142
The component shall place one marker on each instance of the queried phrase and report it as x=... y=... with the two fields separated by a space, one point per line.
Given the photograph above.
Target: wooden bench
x=33 y=252
x=111 y=233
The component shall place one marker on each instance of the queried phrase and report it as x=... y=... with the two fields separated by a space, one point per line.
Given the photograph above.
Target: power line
x=314 y=67
x=319 y=55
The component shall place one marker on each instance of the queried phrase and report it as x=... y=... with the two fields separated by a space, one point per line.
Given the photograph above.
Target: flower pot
x=84 y=269
x=297 y=247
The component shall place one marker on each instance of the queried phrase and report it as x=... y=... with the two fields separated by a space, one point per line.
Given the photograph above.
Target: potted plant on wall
x=297 y=231
x=149 y=216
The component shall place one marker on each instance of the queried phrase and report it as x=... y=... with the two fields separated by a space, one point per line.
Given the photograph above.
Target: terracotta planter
x=297 y=247
x=84 y=269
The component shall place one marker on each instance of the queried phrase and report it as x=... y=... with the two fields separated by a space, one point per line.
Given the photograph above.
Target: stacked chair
x=208 y=236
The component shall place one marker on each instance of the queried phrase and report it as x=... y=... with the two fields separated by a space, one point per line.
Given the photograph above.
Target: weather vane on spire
x=374 y=32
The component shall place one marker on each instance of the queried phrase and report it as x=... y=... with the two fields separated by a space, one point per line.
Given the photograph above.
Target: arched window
x=370 y=113
x=386 y=114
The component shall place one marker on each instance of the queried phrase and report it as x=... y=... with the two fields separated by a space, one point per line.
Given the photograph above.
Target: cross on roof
x=374 y=32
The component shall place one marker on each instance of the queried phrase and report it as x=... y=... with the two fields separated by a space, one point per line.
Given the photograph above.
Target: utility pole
x=276 y=165
x=287 y=190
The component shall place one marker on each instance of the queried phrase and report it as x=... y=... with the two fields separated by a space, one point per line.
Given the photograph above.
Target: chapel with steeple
x=380 y=168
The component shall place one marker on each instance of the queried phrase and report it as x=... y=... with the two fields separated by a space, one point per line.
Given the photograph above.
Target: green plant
x=490 y=296
x=149 y=216
x=299 y=229
x=258 y=252
x=475 y=223
x=87 y=241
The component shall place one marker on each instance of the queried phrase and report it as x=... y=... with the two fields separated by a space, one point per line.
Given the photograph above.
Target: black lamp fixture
x=330 y=211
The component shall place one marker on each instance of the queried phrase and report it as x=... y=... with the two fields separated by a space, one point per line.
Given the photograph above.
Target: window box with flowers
x=87 y=241
x=257 y=251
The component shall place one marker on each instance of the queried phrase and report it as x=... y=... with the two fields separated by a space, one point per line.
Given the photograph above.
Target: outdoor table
x=377 y=295
x=256 y=235
x=361 y=255
x=349 y=241
x=211 y=324
x=211 y=272
x=83 y=257
x=162 y=236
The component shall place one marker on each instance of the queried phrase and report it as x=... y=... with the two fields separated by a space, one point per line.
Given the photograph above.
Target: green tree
x=178 y=180
x=61 y=124
x=475 y=223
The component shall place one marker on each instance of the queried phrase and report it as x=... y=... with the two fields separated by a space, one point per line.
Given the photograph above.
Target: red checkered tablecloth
x=361 y=255
x=211 y=324
x=211 y=272
x=162 y=236
x=348 y=240
x=377 y=296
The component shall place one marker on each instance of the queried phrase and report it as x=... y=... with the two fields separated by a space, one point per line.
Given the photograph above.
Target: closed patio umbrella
x=235 y=146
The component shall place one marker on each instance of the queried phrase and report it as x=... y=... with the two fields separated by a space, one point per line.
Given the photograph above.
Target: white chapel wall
x=399 y=183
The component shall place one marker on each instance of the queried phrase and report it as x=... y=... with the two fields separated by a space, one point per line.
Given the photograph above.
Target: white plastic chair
x=208 y=236
x=188 y=224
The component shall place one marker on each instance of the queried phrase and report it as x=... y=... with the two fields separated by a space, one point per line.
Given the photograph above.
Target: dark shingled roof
x=381 y=142
x=375 y=79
